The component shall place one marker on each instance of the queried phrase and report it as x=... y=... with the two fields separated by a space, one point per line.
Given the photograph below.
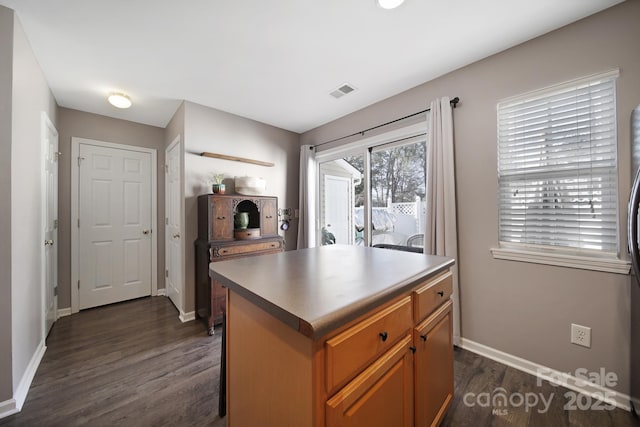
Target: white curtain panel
x=307 y=222
x=440 y=236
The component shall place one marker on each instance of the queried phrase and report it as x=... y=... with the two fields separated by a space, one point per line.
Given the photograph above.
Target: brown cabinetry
x=392 y=366
x=269 y=215
x=426 y=352
x=433 y=366
x=215 y=218
x=217 y=240
x=379 y=396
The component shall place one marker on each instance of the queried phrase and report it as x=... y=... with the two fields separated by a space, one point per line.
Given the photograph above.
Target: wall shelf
x=236 y=159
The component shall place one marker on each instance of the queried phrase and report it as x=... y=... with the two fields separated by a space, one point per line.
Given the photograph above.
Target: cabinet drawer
x=431 y=295
x=350 y=351
x=253 y=249
x=380 y=395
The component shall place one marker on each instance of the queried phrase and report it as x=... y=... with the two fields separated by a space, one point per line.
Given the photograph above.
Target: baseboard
x=187 y=317
x=571 y=382
x=8 y=407
x=62 y=312
x=20 y=395
x=162 y=292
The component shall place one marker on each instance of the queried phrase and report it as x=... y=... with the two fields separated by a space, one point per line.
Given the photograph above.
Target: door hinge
x=55 y=291
x=57 y=155
x=80 y=159
x=166 y=168
x=78 y=222
x=166 y=273
x=55 y=223
x=166 y=221
x=78 y=284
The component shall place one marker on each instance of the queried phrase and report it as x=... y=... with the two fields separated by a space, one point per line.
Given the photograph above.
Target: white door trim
x=46 y=124
x=75 y=184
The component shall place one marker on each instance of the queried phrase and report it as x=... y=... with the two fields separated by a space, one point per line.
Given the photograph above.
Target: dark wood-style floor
x=135 y=364
x=127 y=364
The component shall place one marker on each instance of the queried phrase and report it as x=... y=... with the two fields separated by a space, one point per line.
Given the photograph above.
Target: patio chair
x=416 y=241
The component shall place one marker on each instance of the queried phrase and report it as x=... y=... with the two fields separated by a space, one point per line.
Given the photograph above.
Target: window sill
x=609 y=265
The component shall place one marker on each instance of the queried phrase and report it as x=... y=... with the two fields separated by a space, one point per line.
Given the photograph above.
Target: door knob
x=176 y=236
x=48 y=242
x=146 y=231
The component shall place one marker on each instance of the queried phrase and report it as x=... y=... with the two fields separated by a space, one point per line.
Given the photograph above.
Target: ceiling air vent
x=342 y=90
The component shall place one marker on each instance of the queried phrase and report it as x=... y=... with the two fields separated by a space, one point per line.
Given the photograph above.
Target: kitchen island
x=338 y=335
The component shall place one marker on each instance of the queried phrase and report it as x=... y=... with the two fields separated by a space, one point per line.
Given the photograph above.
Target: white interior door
x=173 y=223
x=337 y=199
x=114 y=213
x=50 y=222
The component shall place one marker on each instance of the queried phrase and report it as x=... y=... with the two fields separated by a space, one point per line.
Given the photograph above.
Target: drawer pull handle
x=424 y=337
x=413 y=349
x=441 y=293
x=222 y=217
x=384 y=336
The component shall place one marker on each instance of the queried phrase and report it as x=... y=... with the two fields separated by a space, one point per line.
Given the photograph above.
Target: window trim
x=528 y=253
x=607 y=261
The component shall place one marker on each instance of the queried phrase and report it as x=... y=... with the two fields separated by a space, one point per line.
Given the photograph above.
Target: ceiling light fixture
x=119 y=100
x=389 y=4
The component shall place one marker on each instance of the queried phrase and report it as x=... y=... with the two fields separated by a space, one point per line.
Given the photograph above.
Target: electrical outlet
x=581 y=335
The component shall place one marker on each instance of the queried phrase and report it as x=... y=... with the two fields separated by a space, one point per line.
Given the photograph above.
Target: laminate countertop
x=317 y=290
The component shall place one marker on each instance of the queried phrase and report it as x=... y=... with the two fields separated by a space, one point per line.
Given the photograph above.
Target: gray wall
x=74 y=123
x=207 y=129
x=520 y=308
x=6 y=77
x=30 y=96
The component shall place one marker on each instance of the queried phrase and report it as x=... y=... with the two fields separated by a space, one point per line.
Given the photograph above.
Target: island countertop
x=317 y=290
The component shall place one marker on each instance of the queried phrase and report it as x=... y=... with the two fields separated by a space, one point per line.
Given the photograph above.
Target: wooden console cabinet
x=217 y=242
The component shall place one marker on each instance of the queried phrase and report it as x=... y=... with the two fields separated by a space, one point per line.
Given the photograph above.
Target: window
x=557 y=169
x=373 y=193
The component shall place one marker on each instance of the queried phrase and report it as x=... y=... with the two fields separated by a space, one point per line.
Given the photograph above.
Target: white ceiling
x=274 y=61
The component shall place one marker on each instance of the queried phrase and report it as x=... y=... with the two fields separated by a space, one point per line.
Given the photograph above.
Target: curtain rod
x=453 y=103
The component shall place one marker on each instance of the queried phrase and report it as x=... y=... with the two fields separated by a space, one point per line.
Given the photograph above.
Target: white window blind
x=557 y=166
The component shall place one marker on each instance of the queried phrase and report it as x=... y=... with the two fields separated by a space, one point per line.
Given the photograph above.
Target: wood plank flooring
x=475 y=375
x=136 y=364
x=127 y=364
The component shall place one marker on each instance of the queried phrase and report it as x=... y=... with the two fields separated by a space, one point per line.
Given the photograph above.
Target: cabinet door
x=433 y=366
x=221 y=219
x=269 y=217
x=382 y=395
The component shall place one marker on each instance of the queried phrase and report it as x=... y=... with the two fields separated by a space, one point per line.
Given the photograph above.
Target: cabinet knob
x=424 y=337
x=441 y=293
x=384 y=336
x=413 y=349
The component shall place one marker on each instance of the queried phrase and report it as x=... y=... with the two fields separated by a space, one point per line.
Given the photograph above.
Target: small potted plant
x=217 y=186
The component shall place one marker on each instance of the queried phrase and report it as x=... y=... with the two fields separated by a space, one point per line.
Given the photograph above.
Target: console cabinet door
x=433 y=366
x=221 y=220
x=381 y=396
x=269 y=217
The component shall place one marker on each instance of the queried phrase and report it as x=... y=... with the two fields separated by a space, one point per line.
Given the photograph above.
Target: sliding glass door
x=373 y=194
